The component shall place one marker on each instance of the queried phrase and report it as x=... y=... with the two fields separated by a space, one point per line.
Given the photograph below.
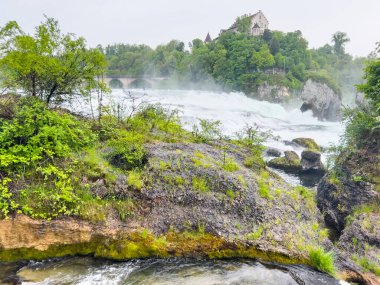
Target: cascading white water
x=236 y=111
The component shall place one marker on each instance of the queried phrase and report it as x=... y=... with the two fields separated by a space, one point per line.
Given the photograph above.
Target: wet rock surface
x=311 y=162
x=290 y=163
x=274 y=152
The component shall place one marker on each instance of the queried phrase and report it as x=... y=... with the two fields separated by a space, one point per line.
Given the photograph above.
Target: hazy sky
x=157 y=21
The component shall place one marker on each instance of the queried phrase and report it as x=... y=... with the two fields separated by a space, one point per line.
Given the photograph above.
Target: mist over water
x=236 y=111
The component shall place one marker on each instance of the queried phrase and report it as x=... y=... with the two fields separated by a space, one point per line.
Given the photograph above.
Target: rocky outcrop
x=290 y=163
x=272 y=93
x=195 y=200
x=349 y=198
x=323 y=101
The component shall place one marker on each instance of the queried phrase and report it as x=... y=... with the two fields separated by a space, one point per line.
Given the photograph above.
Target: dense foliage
x=49 y=65
x=238 y=61
x=363 y=122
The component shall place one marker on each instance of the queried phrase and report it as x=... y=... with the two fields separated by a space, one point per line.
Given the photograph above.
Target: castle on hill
x=259 y=23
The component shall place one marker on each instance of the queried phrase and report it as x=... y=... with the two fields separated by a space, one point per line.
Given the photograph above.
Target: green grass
x=135 y=179
x=242 y=181
x=264 y=190
x=367 y=264
x=179 y=180
x=255 y=235
x=230 y=165
x=200 y=184
x=322 y=260
x=231 y=194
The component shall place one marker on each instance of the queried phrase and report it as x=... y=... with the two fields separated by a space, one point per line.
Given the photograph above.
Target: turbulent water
x=88 y=271
x=235 y=111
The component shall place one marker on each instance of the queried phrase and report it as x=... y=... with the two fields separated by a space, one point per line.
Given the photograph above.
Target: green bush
x=6 y=202
x=321 y=260
x=155 y=122
x=36 y=134
x=50 y=198
x=207 y=130
x=230 y=165
x=128 y=151
x=361 y=123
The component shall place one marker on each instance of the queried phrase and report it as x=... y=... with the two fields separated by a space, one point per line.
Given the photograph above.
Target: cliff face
x=349 y=198
x=321 y=100
x=272 y=93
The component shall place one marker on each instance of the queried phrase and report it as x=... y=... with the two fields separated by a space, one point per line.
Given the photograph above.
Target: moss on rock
x=307 y=143
x=289 y=163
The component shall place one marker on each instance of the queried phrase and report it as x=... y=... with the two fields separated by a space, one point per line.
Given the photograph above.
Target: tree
x=50 y=65
x=263 y=58
x=243 y=24
x=340 y=39
x=371 y=88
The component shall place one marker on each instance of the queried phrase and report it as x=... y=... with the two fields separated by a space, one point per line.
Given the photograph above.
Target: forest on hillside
x=241 y=62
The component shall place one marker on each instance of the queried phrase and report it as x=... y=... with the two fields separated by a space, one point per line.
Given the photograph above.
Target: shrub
x=207 y=130
x=321 y=260
x=158 y=123
x=128 y=151
x=51 y=198
x=35 y=134
x=6 y=202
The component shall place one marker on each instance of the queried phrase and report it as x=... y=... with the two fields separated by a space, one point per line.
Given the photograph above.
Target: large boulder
x=290 y=163
x=311 y=161
x=322 y=100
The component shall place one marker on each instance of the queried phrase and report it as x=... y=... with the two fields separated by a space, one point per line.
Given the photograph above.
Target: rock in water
x=289 y=163
x=307 y=143
x=311 y=161
x=323 y=101
x=273 y=152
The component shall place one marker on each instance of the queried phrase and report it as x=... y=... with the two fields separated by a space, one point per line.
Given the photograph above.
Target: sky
x=155 y=22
